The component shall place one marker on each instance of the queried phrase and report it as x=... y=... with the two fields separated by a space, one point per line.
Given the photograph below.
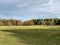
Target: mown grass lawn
x=30 y=36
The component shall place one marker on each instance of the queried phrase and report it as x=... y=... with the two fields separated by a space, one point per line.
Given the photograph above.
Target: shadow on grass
x=37 y=37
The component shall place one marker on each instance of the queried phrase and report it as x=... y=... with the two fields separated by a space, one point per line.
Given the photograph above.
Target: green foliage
x=48 y=21
x=58 y=21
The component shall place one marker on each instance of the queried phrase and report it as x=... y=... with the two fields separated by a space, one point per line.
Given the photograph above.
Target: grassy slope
x=29 y=37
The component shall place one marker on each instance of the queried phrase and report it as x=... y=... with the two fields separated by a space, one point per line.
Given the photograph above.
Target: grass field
x=29 y=35
x=28 y=27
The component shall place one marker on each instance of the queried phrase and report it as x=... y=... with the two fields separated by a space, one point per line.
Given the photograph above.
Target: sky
x=29 y=9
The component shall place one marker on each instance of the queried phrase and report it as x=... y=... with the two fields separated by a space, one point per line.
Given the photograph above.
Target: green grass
x=30 y=36
x=28 y=27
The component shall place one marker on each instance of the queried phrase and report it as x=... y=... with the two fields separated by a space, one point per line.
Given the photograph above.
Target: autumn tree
x=19 y=22
x=13 y=21
x=9 y=23
x=1 y=23
x=29 y=22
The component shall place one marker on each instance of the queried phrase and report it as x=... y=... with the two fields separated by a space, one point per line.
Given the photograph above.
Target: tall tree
x=29 y=22
x=19 y=22
x=1 y=23
x=9 y=23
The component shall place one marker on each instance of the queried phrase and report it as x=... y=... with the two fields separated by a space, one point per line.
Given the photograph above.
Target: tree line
x=48 y=21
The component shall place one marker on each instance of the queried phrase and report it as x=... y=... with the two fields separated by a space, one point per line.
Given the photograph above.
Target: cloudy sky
x=29 y=9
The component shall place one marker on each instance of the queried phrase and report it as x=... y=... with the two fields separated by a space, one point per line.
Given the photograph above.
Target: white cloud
x=52 y=6
x=21 y=8
x=50 y=2
x=22 y=5
x=15 y=17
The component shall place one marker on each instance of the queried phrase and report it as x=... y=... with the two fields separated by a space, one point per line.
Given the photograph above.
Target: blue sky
x=29 y=9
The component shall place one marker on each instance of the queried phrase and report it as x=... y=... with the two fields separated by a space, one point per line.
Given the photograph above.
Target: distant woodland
x=12 y=22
